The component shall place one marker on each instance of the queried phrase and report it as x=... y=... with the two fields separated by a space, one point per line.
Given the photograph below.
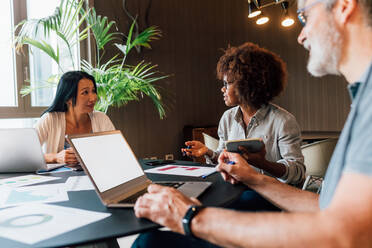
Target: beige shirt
x=51 y=129
x=279 y=131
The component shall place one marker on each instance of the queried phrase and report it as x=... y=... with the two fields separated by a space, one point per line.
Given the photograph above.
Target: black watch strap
x=190 y=214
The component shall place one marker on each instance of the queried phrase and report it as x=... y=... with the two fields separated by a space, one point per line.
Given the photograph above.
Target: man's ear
x=344 y=9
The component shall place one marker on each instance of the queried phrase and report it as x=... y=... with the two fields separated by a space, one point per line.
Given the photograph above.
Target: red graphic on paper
x=168 y=168
x=175 y=167
x=189 y=168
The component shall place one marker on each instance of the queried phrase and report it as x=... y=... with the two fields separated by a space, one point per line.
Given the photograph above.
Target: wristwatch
x=186 y=220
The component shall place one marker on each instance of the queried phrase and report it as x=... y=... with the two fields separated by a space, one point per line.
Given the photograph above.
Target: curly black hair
x=260 y=74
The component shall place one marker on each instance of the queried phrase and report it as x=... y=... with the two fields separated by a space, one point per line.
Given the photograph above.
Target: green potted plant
x=117 y=82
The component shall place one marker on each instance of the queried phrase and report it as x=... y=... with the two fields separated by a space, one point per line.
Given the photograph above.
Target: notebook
x=20 y=151
x=116 y=174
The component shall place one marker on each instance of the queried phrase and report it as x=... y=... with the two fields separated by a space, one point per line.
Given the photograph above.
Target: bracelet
x=186 y=220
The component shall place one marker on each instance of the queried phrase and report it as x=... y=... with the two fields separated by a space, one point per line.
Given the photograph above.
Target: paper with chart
x=32 y=194
x=78 y=183
x=25 y=180
x=37 y=222
x=182 y=170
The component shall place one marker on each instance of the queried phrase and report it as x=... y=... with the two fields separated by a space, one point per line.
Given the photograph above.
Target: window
x=33 y=66
x=8 y=89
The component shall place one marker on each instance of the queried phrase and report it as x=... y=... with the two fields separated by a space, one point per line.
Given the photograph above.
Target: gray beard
x=325 y=51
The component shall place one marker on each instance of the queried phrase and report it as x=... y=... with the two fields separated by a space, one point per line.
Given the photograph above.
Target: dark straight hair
x=67 y=89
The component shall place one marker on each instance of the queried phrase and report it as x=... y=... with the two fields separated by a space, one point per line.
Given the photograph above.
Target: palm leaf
x=44 y=46
x=64 y=23
x=100 y=27
x=117 y=82
x=146 y=36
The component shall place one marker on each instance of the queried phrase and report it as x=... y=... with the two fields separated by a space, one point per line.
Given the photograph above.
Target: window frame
x=22 y=68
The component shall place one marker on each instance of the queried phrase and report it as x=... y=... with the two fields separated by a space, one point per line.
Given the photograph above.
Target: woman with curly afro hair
x=252 y=76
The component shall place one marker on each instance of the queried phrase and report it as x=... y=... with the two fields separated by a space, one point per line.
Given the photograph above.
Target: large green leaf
x=65 y=23
x=44 y=46
x=101 y=27
x=117 y=82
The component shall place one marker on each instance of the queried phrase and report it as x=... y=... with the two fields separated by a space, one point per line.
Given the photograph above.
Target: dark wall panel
x=194 y=32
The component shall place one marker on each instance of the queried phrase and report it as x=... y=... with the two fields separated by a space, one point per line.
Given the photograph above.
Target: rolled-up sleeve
x=289 y=143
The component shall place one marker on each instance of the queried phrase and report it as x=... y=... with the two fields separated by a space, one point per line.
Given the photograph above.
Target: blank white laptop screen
x=109 y=160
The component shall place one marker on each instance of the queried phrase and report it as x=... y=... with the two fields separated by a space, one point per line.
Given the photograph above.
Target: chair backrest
x=317 y=156
x=210 y=142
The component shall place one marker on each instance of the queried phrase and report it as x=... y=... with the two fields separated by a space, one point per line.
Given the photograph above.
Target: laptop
x=114 y=170
x=20 y=151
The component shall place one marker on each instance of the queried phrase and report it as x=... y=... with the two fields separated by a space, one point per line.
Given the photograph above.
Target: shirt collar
x=364 y=76
x=258 y=116
x=353 y=88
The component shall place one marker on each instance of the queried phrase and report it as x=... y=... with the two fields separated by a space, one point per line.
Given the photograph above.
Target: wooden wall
x=194 y=32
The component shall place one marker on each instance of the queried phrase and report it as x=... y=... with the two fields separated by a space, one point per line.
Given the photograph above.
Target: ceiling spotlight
x=253 y=10
x=287 y=20
x=262 y=20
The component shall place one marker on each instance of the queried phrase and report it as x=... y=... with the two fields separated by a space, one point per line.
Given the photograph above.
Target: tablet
x=252 y=145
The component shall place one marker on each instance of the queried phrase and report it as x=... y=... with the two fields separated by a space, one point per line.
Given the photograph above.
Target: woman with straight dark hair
x=72 y=112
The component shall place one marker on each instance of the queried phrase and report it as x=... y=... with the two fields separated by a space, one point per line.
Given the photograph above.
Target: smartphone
x=252 y=145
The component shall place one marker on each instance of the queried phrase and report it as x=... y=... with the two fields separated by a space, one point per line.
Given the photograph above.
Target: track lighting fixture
x=287 y=21
x=253 y=10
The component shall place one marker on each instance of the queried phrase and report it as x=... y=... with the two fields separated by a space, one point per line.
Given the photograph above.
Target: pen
x=184 y=153
x=231 y=162
x=208 y=174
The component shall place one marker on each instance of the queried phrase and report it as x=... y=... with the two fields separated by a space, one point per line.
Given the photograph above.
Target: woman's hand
x=66 y=157
x=256 y=159
x=195 y=149
x=234 y=168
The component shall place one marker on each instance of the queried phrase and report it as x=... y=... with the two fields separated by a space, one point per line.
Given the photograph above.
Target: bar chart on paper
x=182 y=170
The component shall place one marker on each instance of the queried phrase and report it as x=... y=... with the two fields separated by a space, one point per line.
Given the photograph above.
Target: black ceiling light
x=262 y=19
x=287 y=21
x=253 y=8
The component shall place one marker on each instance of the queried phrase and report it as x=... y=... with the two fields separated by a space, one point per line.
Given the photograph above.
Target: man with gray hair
x=338 y=36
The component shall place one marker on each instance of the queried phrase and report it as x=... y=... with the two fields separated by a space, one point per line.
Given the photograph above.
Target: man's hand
x=196 y=149
x=165 y=206
x=239 y=171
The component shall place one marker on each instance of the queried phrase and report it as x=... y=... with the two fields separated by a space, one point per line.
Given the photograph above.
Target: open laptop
x=20 y=151
x=115 y=171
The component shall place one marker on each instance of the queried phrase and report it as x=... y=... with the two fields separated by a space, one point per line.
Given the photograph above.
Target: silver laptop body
x=115 y=171
x=20 y=151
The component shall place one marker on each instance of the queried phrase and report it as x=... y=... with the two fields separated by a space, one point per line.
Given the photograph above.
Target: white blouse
x=51 y=129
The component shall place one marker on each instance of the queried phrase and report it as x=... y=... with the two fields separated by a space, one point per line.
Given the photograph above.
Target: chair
x=317 y=156
x=196 y=133
x=210 y=142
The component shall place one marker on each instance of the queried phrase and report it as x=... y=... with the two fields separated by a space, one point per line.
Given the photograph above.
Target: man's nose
x=301 y=37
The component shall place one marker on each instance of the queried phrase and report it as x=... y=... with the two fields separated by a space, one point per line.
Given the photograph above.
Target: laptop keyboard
x=132 y=199
x=171 y=184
